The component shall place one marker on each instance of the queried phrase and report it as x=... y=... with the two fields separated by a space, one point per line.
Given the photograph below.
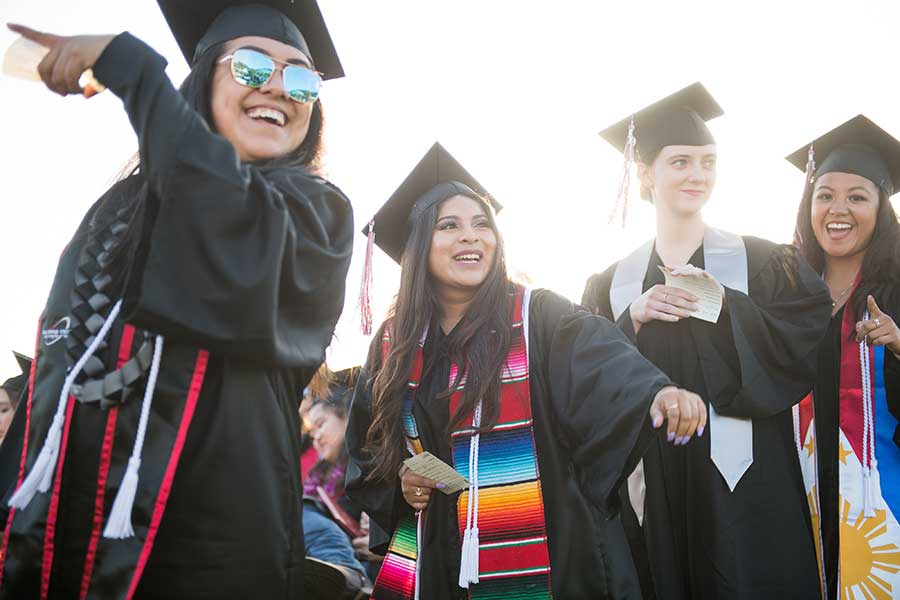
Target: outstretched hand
x=684 y=411
x=879 y=329
x=67 y=59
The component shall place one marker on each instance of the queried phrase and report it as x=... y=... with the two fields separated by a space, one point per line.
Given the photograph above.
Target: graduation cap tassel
x=41 y=475
x=624 y=184
x=118 y=526
x=807 y=184
x=365 y=291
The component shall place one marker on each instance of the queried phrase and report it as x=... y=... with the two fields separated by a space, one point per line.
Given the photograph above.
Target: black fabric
x=826 y=397
x=590 y=397
x=245 y=263
x=702 y=540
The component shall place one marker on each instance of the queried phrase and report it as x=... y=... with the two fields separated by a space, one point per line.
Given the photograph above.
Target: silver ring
x=666 y=298
x=418 y=491
x=877 y=322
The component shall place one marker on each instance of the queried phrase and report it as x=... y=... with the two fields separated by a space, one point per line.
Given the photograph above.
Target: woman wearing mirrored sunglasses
x=161 y=452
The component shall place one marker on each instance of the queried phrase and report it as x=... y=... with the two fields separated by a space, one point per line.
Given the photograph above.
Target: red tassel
x=624 y=184
x=807 y=184
x=365 y=288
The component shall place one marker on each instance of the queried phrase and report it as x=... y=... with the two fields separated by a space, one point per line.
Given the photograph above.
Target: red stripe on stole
x=103 y=470
x=52 y=513
x=850 y=388
x=807 y=413
x=12 y=511
x=528 y=556
x=166 y=487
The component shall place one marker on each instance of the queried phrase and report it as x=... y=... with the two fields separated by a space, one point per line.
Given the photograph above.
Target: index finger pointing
x=874 y=311
x=44 y=39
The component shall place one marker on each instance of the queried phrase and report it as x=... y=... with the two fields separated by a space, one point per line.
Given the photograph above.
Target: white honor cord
x=41 y=474
x=868 y=445
x=468 y=564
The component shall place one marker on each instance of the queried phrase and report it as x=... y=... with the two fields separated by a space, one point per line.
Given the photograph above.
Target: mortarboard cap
x=858 y=146
x=200 y=24
x=16 y=384
x=438 y=176
x=677 y=120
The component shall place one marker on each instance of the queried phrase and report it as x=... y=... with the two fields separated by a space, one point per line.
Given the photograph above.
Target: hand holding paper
x=428 y=465
x=701 y=284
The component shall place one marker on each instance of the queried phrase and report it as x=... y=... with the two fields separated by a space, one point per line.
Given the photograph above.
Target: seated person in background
x=11 y=391
x=331 y=521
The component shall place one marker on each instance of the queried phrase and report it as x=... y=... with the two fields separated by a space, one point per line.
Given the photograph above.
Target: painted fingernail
x=657 y=422
x=678 y=440
x=671 y=436
x=700 y=431
x=440 y=486
x=685 y=440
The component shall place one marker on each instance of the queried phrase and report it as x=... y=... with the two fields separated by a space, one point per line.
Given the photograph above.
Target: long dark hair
x=480 y=341
x=882 y=259
x=125 y=201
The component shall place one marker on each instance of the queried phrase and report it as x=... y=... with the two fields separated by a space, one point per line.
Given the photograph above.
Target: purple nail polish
x=671 y=436
x=685 y=441
x=700 y=431
x=678 y=440
x=441 y=486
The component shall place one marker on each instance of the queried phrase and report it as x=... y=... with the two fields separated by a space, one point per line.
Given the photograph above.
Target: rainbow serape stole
x=513 y=557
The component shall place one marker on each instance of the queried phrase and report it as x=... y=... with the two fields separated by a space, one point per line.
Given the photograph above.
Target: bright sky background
x=516 y=91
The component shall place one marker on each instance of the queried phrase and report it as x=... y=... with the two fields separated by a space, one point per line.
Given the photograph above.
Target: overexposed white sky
x=516 y=90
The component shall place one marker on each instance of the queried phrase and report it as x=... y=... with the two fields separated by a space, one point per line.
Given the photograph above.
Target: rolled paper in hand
x=23 y=56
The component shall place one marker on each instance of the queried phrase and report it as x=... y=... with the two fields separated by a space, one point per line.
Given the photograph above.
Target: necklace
x=834 y=301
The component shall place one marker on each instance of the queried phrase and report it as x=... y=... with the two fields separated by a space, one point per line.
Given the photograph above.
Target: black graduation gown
x=703 y=541
x=826 y=397
x=242 y=270
x=590 y=397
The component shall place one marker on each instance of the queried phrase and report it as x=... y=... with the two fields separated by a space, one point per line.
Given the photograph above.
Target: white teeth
x=839 y=226
x=468 y=258
x=271 y=115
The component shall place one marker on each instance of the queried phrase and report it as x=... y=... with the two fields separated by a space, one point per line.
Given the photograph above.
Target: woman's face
x=844 y=210
x=328 y=430
x=681 y=179
x=6 y=413
x=261 y=123
x=462 y=246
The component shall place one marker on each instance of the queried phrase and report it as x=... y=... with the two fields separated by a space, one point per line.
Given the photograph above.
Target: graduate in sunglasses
x=161 y=449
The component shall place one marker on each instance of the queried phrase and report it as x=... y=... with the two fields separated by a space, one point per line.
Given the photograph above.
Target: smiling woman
x=690 y=508
x=145 y=472
x=847 y=431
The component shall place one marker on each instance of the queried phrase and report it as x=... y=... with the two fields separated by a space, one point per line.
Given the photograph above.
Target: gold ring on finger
x=418 y=491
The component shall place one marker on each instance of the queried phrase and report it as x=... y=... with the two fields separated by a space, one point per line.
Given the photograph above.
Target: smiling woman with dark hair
x=541 y=406
x=847 y=432
x=160 y=448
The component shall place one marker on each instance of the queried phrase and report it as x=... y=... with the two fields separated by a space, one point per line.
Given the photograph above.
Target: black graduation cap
x=679 y=119
x=858 y=146
x=199 y=24
x=438 y=176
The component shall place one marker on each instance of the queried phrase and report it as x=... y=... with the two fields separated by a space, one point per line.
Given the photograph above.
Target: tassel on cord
x=807 y=184
x=118 y=526
x=41 y=474
x=365 y=288
x=625 y=182
x=468 y=565
x=868 y=445
x=795 y=413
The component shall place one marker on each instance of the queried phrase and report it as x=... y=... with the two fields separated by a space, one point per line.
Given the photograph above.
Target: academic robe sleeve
x=600 y=387
x=245 y=260
x=775 y=332
x=595 y=298
x=381 y=500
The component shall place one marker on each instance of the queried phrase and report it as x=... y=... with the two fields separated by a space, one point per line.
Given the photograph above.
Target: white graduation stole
x=731 y=439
